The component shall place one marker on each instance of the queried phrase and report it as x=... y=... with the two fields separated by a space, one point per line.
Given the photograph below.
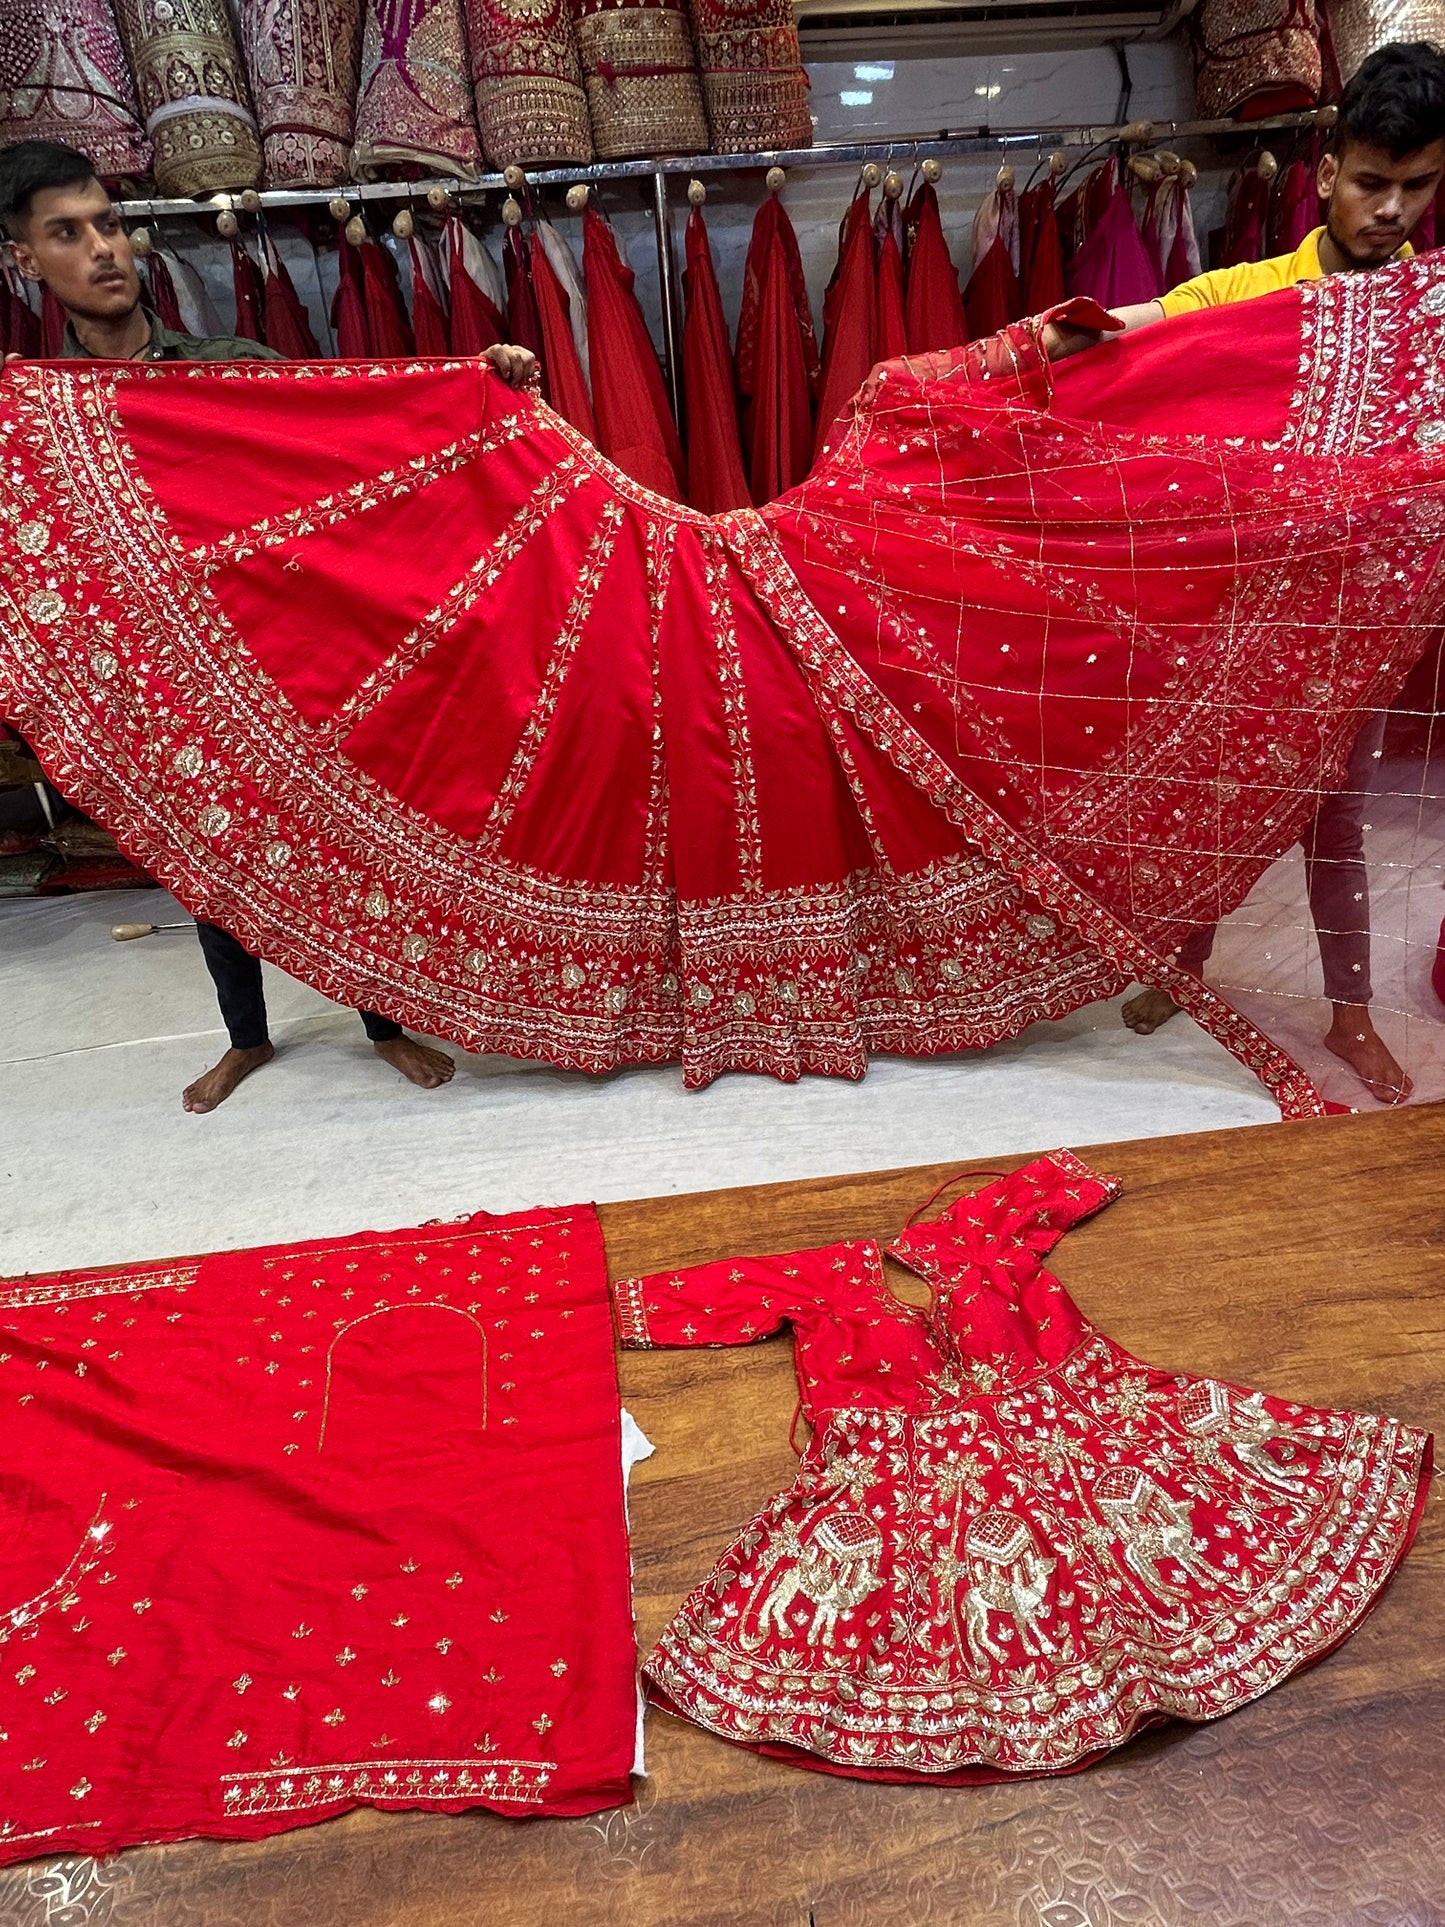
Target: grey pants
x=1339 y=889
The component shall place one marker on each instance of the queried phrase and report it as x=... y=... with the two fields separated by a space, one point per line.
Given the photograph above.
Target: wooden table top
x=1304 y=1259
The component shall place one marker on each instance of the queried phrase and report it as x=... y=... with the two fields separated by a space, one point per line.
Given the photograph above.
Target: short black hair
x=1394 y=100
x=27 y=168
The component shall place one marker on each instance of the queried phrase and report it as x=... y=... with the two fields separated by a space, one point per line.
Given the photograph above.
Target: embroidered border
x=409 y=1783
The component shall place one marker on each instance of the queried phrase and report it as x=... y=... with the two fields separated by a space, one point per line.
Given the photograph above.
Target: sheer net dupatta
x=1183 y=640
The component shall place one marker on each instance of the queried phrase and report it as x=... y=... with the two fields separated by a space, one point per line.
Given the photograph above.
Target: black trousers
x=237 y=977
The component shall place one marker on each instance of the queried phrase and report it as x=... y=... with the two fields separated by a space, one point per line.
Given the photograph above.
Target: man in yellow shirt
x=1385 y=162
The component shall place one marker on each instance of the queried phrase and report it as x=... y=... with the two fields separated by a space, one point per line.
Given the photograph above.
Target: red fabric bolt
x=771 y=218
x=316 y=1526
x=634 y=422
x=387 y=327
x=849 y=316
x=933 y=304
x=716 y=479
x=563 y=381
x=992 y=298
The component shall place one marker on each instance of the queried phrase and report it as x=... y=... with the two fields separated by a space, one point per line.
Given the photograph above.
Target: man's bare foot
x=1353 y=1037
x=1146 y=1012
x=219 y=1082
x=419 y=1063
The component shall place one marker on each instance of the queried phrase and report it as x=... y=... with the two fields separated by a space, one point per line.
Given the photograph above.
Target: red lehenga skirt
x=387 y=670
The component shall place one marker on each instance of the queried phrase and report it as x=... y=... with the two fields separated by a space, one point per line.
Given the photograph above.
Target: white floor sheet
x=99 y=1164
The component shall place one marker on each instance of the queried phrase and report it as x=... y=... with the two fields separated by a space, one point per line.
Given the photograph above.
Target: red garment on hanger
x=1041 y=260
x=893 y=763
x=312 y=1527
x=1115 y=266
x=523 y=324
x=387 y=328
x=428 y=316
x=475 y=321
x=563 y=382
x=249 y=285
x=52 y=323
x=890 y=331
x=1296 y=208
x=19 y=323
x=288 y=326
x=849 y=316
x=992 y=298
x=1244 y=229
x=933 y=304
x=1010 y=1545
x=781 y=416
x=163 y=292
x=348 y=305
x=634 y=422
x=772 y=221
x=716 y=480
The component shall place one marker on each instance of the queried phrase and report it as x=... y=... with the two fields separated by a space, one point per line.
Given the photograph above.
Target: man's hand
x=1060 y=339
x=518 y=367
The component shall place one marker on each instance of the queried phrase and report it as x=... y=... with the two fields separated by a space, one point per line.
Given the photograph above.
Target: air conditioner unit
x=914 y=29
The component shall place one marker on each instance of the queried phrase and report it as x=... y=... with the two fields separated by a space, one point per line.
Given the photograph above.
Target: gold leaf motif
x=189 y=759
x=376 y=904
x=33 y=538
x=214 y=821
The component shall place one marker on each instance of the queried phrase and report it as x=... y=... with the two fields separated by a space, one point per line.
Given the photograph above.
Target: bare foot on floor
x=1353 y=1037
x=219 y=1082
x=418 y=1063
x=1146 y=1012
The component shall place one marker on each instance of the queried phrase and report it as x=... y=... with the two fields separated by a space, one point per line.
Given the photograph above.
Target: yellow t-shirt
x=1227 y=285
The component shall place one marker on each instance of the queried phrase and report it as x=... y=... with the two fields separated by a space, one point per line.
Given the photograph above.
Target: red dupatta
x=904 y=762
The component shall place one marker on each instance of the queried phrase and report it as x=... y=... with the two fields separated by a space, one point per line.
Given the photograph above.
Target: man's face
x=73 y=240
x=1375 y=199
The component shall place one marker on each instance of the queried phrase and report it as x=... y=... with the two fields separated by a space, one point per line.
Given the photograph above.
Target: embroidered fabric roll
x=302 y=60
x=192 y=90
x=1256 y=57
x=63 y=77
x=528 y=74
x=643 y=90
x=414 y=108
x=753 y=84
x=1360 y=28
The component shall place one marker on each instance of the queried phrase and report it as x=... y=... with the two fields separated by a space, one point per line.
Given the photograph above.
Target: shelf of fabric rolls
x=1021 y=142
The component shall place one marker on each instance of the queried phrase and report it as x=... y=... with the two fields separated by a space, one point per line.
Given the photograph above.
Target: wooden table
x=1306 y=1259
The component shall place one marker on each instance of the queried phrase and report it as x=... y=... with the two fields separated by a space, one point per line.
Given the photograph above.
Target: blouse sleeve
x=730 y=1302
x=1041 y=1201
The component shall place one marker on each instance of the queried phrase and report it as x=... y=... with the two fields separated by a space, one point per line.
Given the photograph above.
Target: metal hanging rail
x=980 y=141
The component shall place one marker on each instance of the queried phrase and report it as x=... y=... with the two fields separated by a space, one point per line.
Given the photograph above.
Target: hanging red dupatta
x=905 y=761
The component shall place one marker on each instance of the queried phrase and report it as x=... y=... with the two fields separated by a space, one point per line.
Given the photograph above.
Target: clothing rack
x=1023 y=142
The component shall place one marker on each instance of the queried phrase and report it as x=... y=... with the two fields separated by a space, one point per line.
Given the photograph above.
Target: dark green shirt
x=168 y=345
